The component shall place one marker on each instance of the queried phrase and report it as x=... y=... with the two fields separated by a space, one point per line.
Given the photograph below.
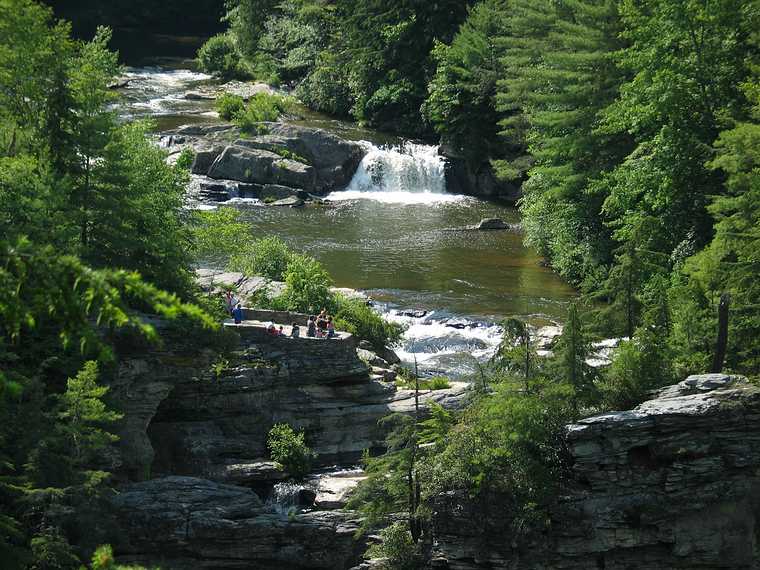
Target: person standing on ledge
x=237 y=314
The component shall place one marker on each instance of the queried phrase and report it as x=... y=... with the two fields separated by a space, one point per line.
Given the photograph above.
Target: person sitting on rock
x=295 y=331
x=321 y=323
x=271 y=329
x=330 y=327
x=237 y=314
x=281 y=331
x=311 y=327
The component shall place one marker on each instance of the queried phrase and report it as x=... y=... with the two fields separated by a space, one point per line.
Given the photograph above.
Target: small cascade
x=289 y=496
x=406 y=173
x=441 y=344
x=406 y=168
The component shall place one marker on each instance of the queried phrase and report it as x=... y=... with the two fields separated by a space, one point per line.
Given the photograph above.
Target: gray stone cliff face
x=674 y=483
x=188 y=523
x=183 y=420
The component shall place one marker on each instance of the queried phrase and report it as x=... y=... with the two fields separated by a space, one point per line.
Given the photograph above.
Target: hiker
x=330 y=328
x=295 y=331
x=228 y=299
x=311 y=327
x=237 y=314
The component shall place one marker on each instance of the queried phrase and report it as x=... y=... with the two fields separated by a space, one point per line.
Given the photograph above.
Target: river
x=392 y=234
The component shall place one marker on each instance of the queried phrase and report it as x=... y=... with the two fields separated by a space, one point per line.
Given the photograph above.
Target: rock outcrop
x=674 y=483
x=321 y=386
x=277 y=165
x=184 y=522
x=463 y=177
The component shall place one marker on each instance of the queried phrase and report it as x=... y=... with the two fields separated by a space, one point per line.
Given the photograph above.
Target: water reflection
x=405 y=255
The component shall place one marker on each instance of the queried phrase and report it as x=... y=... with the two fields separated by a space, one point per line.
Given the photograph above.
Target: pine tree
x=560 y=75
x=571 y=353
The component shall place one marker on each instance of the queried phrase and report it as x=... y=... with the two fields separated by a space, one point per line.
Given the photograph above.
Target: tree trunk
x=722 y=340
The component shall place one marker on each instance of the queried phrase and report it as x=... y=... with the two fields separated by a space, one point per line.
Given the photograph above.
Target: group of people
x=320 y=326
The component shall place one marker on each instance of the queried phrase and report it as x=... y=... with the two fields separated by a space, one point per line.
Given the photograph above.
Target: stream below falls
x=393 y=233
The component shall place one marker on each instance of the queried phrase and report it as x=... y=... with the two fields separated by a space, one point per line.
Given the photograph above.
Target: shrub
x=307 y=286
x=354 y=316
x=289 y=449
x=508 y=444
x=219 y=57
x=216 y=233
x=438 y=383
x=262 y=108
x=406 y=381
x=229 y=106
x=185 y=159
x=397 y=547
x=268 y=257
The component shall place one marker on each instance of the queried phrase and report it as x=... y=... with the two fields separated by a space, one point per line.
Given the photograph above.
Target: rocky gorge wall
x=195 y=469
x=674 y=483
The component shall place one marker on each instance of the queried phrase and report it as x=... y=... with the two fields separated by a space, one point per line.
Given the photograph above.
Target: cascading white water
x=408 y=173
x=406 y=168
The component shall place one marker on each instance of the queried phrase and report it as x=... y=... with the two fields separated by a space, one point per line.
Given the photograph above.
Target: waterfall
x=406 y=173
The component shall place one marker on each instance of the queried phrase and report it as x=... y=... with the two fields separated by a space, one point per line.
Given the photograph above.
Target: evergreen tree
x=461 y=103
x=731 y=263
x=687 y=63
x=572 y=351
x=560 y=75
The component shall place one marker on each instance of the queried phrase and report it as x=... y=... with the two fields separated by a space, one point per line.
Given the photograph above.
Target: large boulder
x=271 y=192
x=204 y=158
x=246 y=164
x=334 y=159
x=463 y=176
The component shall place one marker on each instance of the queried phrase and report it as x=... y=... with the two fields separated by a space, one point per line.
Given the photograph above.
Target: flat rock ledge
x=186 y=522
x=671 y=484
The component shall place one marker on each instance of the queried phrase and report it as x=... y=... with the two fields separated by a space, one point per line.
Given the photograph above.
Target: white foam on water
x=395 y=197
x=409 y=173
x=160 y=90
x=428 y=339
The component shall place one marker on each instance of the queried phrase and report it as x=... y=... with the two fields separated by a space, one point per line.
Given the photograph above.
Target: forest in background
x=631 y=124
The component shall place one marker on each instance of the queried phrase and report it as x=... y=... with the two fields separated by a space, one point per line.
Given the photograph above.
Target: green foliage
x=571 y=352
x=461 y=103
x=560 y=76
x=397 y=548
x=516 y=354
x=433 y=383
x=262 y=108
x=229 y=106
x=185 y=159
x=218 y=234
x=307 y=286
x=103 y=559
x=85 y=202
x=509 y=443
x=290 y=450
x=386 y=489
x=355 y=316
x=219 y=56
x=269 y=257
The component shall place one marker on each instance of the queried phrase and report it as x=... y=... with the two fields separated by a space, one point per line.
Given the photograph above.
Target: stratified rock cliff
x=189 y=523
x=197 y=431
x=674 y=483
